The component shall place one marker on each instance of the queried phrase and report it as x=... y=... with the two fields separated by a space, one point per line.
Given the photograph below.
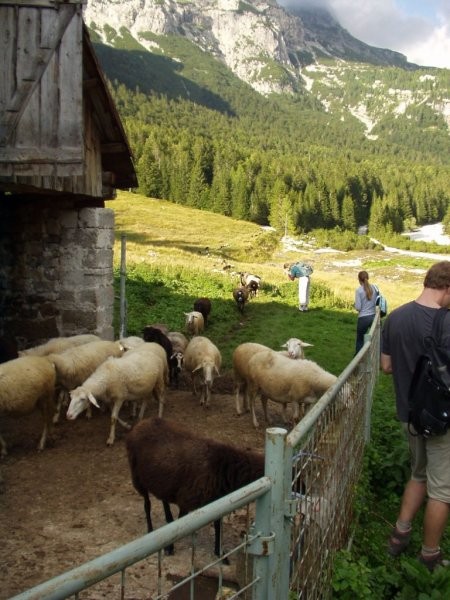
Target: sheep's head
x=178 y=359
x=208 y=370
x=294 y=347
x=79 y=401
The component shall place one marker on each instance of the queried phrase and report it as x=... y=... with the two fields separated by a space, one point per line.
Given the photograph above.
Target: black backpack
x=429 y=393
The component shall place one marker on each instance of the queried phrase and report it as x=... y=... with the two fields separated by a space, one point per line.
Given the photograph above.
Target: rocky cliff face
x=262 y=43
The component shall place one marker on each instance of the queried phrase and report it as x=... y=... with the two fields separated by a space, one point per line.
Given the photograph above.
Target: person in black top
x=401 y=345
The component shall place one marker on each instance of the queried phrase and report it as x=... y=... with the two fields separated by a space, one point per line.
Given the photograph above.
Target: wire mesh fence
x=328 y=453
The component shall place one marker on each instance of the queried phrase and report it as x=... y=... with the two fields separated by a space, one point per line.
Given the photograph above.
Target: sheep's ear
x=217 y=370
x=306 y=345
x=93 y=400
x=197 y=368
x=284 y=345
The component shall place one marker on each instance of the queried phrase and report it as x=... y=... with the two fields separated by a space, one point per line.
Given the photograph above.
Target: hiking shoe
x=398 y=541
x=436 y=560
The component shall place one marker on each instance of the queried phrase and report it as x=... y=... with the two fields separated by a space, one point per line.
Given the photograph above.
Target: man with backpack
x=404 y=342
x=301 y=271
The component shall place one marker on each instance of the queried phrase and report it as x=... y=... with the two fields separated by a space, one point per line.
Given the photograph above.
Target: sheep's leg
x=264 y=405
x=43 y=439
x=194 y=384
x=238 y=404
x=169 y=550
x=158 y=395
x=142 y=411
x=218 y=539
x=245 y=397
x=241 y=398
x=252 y=394
x=123 y=423
x=47 y=408
x=4 y=450
x=114 y=418
x=147 y=509
x=207 y=394
x=59 y=402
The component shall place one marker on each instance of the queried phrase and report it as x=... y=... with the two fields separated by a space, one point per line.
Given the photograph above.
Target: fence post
x=123 y=278
x=269 y=523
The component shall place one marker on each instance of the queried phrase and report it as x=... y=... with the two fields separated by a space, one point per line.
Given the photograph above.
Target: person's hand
x=291 y=277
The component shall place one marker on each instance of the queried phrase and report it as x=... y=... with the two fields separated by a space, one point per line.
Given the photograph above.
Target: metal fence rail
x=295 y=518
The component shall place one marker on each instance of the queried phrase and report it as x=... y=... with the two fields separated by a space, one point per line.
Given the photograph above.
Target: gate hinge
x=262 y=545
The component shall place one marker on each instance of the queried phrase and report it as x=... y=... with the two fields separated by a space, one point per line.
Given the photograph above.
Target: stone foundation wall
x=56 y=269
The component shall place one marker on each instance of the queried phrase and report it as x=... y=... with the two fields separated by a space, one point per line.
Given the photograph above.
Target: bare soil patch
x=75 y=501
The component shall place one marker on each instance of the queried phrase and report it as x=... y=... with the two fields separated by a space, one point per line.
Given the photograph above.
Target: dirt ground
x=75 y=501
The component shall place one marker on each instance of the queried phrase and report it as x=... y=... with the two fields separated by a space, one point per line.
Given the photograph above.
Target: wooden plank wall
x=41 y=97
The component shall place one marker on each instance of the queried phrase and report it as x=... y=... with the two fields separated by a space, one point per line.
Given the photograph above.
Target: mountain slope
x=262 y=43
x=215 y=52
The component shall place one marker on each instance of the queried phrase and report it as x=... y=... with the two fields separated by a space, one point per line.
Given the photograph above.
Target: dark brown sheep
x=8 y=348
x=180 y=467
x=241 y=295
x=203 y=305
x=151 y=333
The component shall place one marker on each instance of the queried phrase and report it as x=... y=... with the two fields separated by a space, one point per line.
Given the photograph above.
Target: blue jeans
x=362 y=327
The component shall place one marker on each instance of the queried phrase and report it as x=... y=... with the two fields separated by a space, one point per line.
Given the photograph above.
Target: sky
x=419 y=29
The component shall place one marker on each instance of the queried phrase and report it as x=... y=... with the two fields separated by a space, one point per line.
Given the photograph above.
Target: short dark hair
x=438 y=276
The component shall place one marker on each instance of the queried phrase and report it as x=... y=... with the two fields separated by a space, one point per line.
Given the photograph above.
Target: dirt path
x=75 y=501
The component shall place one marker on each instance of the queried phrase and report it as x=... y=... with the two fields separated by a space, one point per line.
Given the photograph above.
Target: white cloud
x=419 y=29
x=434 y=50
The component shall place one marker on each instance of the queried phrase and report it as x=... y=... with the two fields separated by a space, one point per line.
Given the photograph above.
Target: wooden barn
x=63 y=152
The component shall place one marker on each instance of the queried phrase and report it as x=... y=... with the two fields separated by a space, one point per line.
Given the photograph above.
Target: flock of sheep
x=83 y=371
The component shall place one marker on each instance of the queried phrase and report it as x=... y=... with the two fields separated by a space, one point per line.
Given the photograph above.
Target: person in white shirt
x=365 y=299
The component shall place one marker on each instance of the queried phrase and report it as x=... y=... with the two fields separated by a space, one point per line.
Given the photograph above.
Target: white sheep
x=294 y=348
x=195 y=323
x=251 y=282
x=240 y=358
x=27 y=382
x=60 y=344
x=131 y=342
x=135 y=376
x=159 y=351
x=202 y=359
x=179 y=341
x=73 y=366
x=272 y=375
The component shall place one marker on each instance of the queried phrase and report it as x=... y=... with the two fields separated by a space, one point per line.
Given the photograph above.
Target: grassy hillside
x=176 y=254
